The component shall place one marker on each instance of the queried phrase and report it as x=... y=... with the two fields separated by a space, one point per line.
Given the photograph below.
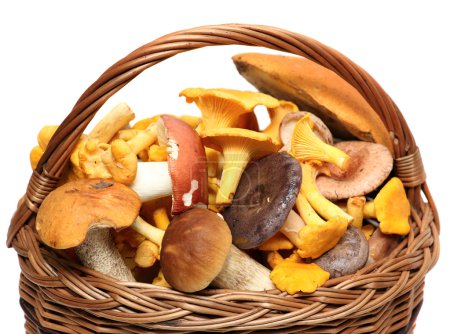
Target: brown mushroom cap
x=349 y=255
x=68 y=212
x=194 y=249
x=370 y=164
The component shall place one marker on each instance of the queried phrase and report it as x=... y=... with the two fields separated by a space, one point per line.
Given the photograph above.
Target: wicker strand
x=410 y=169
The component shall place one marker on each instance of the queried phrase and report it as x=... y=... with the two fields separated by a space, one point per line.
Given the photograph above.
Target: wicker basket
x=58 y=295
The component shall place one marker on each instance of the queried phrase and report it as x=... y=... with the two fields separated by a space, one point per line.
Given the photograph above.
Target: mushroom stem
x=115 y=120
x=369 y=210
x=152 y=180
x=294 y=223
x=321 y=204
x=355 y=208
x=99 y=253
x=149 y=231
x=233 y=168
x=241 y=272
x=143 y=139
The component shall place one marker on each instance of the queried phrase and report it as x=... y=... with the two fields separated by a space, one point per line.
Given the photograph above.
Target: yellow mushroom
x=275 y=243
x=160 y=280
x=368 y=230
x=355 y=208
x=161 y=218
x=157 y=153
x=276 y=117
x=292 y=276
x=273 y=258
x=391 y=208
x=317 y=236
x=306 y=145
x=323 y=206
x=43 y=138
x=120 y=161
x=238 y=147
x=146 y=254
x=221 y=108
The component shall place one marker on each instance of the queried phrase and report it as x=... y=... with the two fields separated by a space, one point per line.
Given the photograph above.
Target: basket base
x=32 y=325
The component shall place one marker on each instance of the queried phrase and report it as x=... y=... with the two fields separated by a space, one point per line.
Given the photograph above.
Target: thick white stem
x=293 y=224
x=99 y=252
x=152 y=180
x=241 y=272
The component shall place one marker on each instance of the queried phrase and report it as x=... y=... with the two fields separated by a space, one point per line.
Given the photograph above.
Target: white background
x=51 y=51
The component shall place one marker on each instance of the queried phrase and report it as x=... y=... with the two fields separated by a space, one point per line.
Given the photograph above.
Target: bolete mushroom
x=391 y=208
x=197 y=251
x=238 y=147
x=261 y=205
x=368 y=167
x=221 y=108
x=348 y=256
x=81 y=213
x=184 y=175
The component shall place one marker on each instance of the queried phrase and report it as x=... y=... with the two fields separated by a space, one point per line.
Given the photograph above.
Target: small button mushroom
x=197 y=251
x=221 y=108
x=369 y=166
x=261 y=205
x=348 y=256
x=238 y=147
x=81 y=213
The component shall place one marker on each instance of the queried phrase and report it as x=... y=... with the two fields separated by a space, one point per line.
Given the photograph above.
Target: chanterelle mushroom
x=81 y=213
x=369 y=165
x=238 y=147
x=221 y=107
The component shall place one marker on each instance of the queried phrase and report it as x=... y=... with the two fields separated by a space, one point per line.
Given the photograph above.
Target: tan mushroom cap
x=68 y=212
x=370 y=164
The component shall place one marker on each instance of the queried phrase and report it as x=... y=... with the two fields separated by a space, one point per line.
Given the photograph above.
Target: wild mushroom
x=81 y=213
x=292 y=275
x=221 y=108
x=238 y=147
x=381 y=245
x=276 y=115
x=184 y=175
x=348 y=256
x=277 y=242
x=355 y=208
x=287 y=126
x=317 y=236
x=322 y=205
x=197 y=251
x=305 y=145
x=261 y=206
x=369 y=165
x=44 y=136
x=391 y=208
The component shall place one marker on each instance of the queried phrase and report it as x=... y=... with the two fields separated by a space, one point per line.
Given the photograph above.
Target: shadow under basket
x=60 y=296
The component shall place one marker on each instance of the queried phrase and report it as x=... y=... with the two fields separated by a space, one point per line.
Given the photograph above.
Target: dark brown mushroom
x=265 y=196
x=349 y=255
x=369 y=166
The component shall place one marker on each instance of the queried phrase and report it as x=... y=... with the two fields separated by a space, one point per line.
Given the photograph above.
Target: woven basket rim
x=68 y=298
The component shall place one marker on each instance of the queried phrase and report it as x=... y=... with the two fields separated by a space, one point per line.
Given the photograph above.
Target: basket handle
x=56 y=157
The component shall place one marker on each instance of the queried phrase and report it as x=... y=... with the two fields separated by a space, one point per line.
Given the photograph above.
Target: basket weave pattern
x=58 y=295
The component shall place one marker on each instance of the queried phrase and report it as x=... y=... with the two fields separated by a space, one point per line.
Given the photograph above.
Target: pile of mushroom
x=188 y=203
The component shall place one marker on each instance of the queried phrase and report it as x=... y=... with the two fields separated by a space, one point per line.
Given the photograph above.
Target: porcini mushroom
x=305 y=145
x=238 y=147
x=197 y=251
x=221 y=107
x=348 y=256
x=261 y=206
x=391 y=208
x=81 y=213
x=184 y=175
x=369 y=165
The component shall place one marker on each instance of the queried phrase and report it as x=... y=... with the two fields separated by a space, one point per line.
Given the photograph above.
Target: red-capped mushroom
x=184 y=175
